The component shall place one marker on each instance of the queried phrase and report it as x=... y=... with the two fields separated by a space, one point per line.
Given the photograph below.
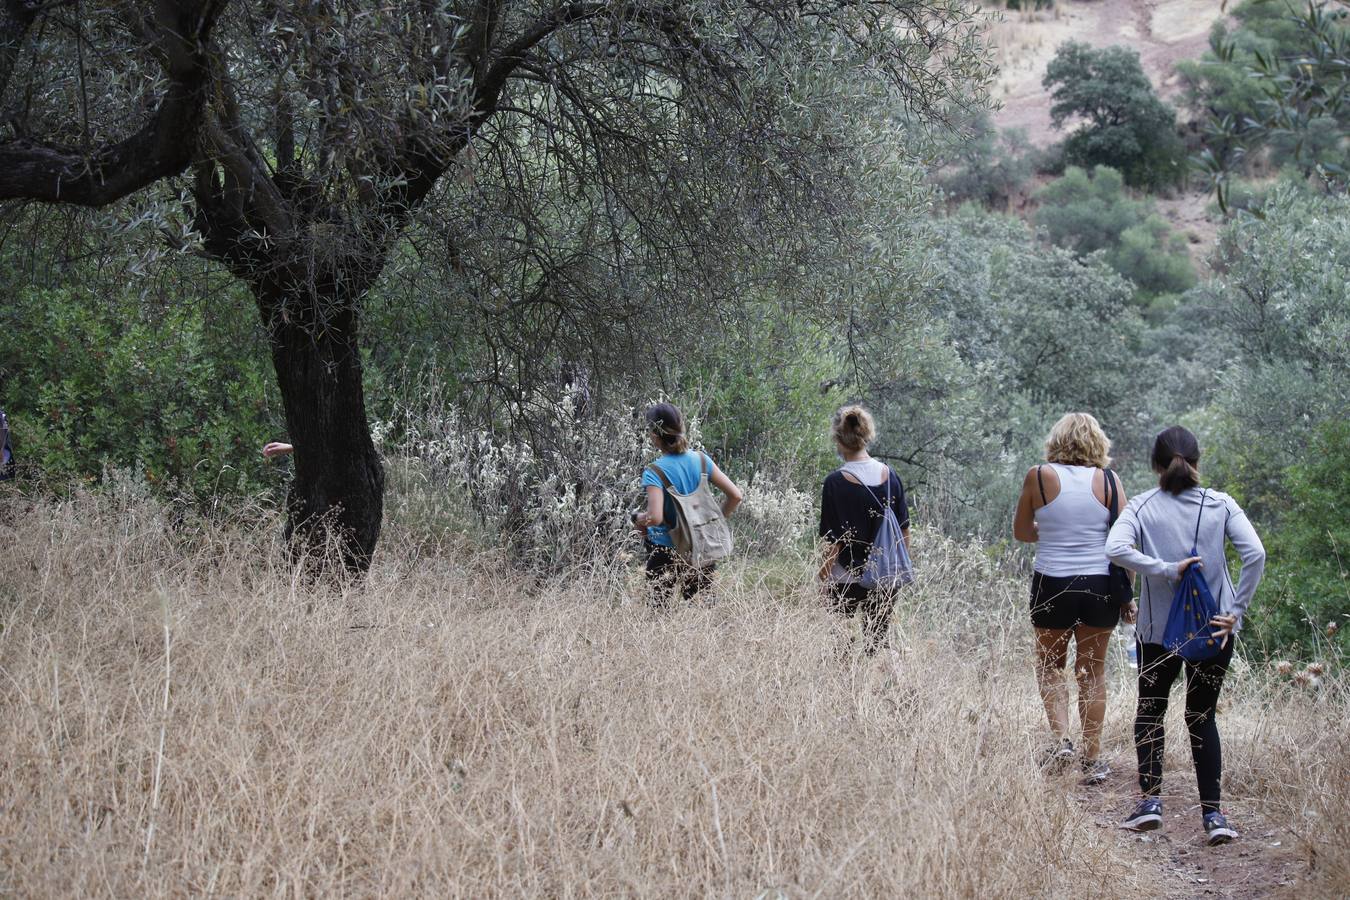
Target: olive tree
x=570 y=160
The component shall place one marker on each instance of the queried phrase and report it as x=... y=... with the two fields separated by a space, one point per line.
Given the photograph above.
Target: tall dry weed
x=184 y=715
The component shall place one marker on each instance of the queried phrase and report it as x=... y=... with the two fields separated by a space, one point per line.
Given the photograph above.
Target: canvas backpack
x=700 y=533
x=888 y=564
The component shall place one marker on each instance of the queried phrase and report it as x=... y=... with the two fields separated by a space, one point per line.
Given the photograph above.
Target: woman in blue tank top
x=1063 y=510
x=684 y=468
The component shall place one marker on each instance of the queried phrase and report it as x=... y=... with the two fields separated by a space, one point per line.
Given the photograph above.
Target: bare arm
x=828 y=560
x=655 y=513
x=275 y=449
x=1024 y=521
x=728 y=487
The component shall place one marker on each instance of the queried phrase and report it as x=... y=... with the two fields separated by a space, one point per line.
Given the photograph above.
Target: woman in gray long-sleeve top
x=1153 y=537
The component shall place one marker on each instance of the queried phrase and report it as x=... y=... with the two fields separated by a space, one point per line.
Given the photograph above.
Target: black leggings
x=876 y=608
x=666 y=571
x=1158 y=669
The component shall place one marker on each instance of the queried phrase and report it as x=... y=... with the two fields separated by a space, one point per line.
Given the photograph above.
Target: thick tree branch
x=49 y=171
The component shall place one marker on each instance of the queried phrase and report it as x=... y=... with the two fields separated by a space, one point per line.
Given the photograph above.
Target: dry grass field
x=183 y=716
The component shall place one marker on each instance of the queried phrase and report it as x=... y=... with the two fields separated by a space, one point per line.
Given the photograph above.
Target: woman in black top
x=851 y=508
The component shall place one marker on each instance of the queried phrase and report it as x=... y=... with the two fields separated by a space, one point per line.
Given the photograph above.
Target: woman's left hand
x=1130 y=614
x=1223 y=627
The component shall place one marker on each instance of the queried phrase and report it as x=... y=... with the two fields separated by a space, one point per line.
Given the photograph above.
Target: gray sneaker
x=1146 y=816
x=1217 y=830
x=1055 y=757
x=1095 y=771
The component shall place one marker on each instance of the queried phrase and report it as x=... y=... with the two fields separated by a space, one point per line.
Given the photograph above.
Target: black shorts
x=1076 y=600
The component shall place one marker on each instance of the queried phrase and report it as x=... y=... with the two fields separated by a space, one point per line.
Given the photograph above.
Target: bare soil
x=1162 y=31
x=1262 y=862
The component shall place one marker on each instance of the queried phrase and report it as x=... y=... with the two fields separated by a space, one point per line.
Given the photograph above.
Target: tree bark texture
x=336 y=500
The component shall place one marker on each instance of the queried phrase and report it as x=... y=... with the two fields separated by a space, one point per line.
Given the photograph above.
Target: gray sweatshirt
x=1162 y=527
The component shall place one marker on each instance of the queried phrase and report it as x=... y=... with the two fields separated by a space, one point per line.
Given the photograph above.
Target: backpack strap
x=1112 y=496
x=660 y=474
x=1041 y=485
x=1195 y=540
x=886 y=505
x=707 y=466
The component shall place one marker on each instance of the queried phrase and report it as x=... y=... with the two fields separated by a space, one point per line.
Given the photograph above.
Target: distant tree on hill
x=1125 y=125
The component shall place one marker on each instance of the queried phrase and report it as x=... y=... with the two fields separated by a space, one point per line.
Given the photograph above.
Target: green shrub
x=1087 y=212
x=1308 y=567
x=181 y=394
x=1093 y=213
x=1154 y=258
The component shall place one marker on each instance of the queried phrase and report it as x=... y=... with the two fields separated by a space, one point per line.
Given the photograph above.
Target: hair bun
x=853 y=427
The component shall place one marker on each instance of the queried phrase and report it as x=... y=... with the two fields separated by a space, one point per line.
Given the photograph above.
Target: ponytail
x=667 y=425
x=1176 y=456
x=1179 y=476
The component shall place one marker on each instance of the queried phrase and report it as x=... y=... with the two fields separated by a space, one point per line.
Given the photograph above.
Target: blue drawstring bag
x=888 y=563
x=1188 y=633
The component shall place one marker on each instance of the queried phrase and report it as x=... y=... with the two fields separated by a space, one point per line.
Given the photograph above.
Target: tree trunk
x=338 y=490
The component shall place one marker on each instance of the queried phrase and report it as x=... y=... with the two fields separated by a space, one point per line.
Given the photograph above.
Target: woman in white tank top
x=1063 y=510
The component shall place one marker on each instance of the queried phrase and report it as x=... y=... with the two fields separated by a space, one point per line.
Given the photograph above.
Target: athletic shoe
x=1057 y=756
x=1095 y=771
x=1216 y=827
x=1146 y=816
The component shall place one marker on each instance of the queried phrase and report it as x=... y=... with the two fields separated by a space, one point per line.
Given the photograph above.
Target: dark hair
x=1176 y=454
x=666 y=422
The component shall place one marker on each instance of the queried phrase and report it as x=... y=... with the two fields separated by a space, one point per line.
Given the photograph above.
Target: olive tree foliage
x=1014 y=335
x=1276 y=87
x=1283 y=295
x=586 y=172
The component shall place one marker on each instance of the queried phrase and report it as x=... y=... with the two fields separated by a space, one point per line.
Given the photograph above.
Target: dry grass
x=183 y=716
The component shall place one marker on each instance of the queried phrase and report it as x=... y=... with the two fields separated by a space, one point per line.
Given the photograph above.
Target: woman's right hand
x=275 y=449
x=1187 y=563
x=1130 y=613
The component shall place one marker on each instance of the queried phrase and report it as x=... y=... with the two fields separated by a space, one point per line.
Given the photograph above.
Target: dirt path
x=1263 y=862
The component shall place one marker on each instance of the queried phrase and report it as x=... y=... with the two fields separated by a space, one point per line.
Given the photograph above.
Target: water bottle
x=1131 y=648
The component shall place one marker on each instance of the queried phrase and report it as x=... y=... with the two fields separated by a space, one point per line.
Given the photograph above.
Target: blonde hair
x=853 y=428
x=1078 y=440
